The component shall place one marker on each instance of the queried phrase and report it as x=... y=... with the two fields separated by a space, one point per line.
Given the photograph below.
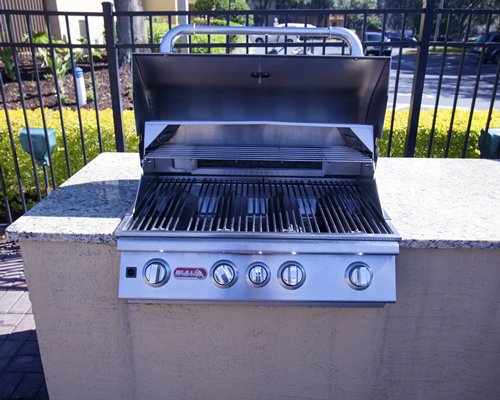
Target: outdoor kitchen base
x=431 y=344
x=439 y=341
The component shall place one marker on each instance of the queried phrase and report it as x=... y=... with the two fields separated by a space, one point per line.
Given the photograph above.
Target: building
x=73 y=27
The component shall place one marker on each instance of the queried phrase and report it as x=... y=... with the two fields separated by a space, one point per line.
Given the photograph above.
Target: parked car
x=299 y=25
x=278 y=38
x=396 y=36
x=490 y=53
x=371 y=44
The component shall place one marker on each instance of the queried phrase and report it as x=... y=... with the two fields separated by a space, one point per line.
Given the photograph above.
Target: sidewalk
x=21 y=373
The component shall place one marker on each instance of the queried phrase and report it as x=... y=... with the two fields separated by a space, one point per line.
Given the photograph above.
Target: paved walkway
x=21 y=373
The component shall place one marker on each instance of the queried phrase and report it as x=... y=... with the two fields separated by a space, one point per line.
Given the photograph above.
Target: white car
x=280 y=38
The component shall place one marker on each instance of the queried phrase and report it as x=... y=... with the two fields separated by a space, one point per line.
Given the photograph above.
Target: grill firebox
x=258 y=191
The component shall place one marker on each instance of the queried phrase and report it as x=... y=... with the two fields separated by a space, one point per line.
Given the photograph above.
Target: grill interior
x=256 y=205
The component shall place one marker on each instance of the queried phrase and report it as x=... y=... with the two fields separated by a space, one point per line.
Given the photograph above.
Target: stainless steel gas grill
x=258 y=178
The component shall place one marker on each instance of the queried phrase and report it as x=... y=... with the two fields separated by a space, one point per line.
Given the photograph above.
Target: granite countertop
x=442 y=203
x=87 y=207
x=434 y=203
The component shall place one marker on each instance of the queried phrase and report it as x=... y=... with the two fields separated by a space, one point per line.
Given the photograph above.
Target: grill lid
x=299 y=89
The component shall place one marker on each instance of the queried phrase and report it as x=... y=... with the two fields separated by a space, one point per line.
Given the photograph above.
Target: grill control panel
x=281 y=279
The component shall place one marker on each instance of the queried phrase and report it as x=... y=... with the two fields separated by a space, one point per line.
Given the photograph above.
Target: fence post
x=419 y=78
x=114 y=77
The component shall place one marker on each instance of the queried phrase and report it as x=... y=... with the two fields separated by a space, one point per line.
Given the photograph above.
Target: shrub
x=73 y=139
x=222 y=5
x=8 y=62
x=440 y=132
x=61 y=64
x=203 y=39
x=160 y=28
x=72 y=130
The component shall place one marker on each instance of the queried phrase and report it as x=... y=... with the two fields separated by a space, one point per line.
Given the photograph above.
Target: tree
x=124 y=28
x=373 y=22
x=458 y=22
x=263 y=4
x=222 y=5
x=395 y=20
x=355 y=21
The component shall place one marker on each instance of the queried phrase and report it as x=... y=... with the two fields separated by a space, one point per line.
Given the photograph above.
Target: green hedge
x=73 y=139
x=160 y=28
x=74 y=145
x=441 y=129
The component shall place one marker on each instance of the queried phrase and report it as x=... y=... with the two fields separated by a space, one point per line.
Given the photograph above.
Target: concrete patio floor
x=21 y=372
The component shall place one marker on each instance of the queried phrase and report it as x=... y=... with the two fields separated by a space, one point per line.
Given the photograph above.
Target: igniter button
x=291 y=275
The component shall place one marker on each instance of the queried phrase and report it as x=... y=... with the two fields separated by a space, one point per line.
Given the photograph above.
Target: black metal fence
x=444 y=78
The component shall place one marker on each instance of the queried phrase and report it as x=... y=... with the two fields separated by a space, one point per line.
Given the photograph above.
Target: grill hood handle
x=167 y=43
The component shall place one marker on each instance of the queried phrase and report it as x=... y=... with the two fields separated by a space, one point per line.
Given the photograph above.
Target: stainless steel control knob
x=291 y=275
x=224 y=274
x=359 y=276
x=156 y=273
x=258 y=274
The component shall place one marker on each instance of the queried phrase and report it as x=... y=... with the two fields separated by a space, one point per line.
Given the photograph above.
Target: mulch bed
x=7 y=247
x=49 y=94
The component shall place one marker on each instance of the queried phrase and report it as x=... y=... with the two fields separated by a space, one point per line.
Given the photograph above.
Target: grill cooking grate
x=256 y=205
x=273 y=153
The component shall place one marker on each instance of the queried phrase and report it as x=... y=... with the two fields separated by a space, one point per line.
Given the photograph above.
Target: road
x=449 y=82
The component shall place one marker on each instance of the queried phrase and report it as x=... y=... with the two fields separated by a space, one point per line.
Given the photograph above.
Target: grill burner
x=257 y=205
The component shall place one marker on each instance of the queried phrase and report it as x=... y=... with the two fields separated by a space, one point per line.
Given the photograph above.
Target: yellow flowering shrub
x=73 y=141
x=441 y=130
x=90 y=135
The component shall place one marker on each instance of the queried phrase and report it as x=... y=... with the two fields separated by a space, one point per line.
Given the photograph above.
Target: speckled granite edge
x=449 y=244
x=54 y=237
x=111 y=240
x=433 y=203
